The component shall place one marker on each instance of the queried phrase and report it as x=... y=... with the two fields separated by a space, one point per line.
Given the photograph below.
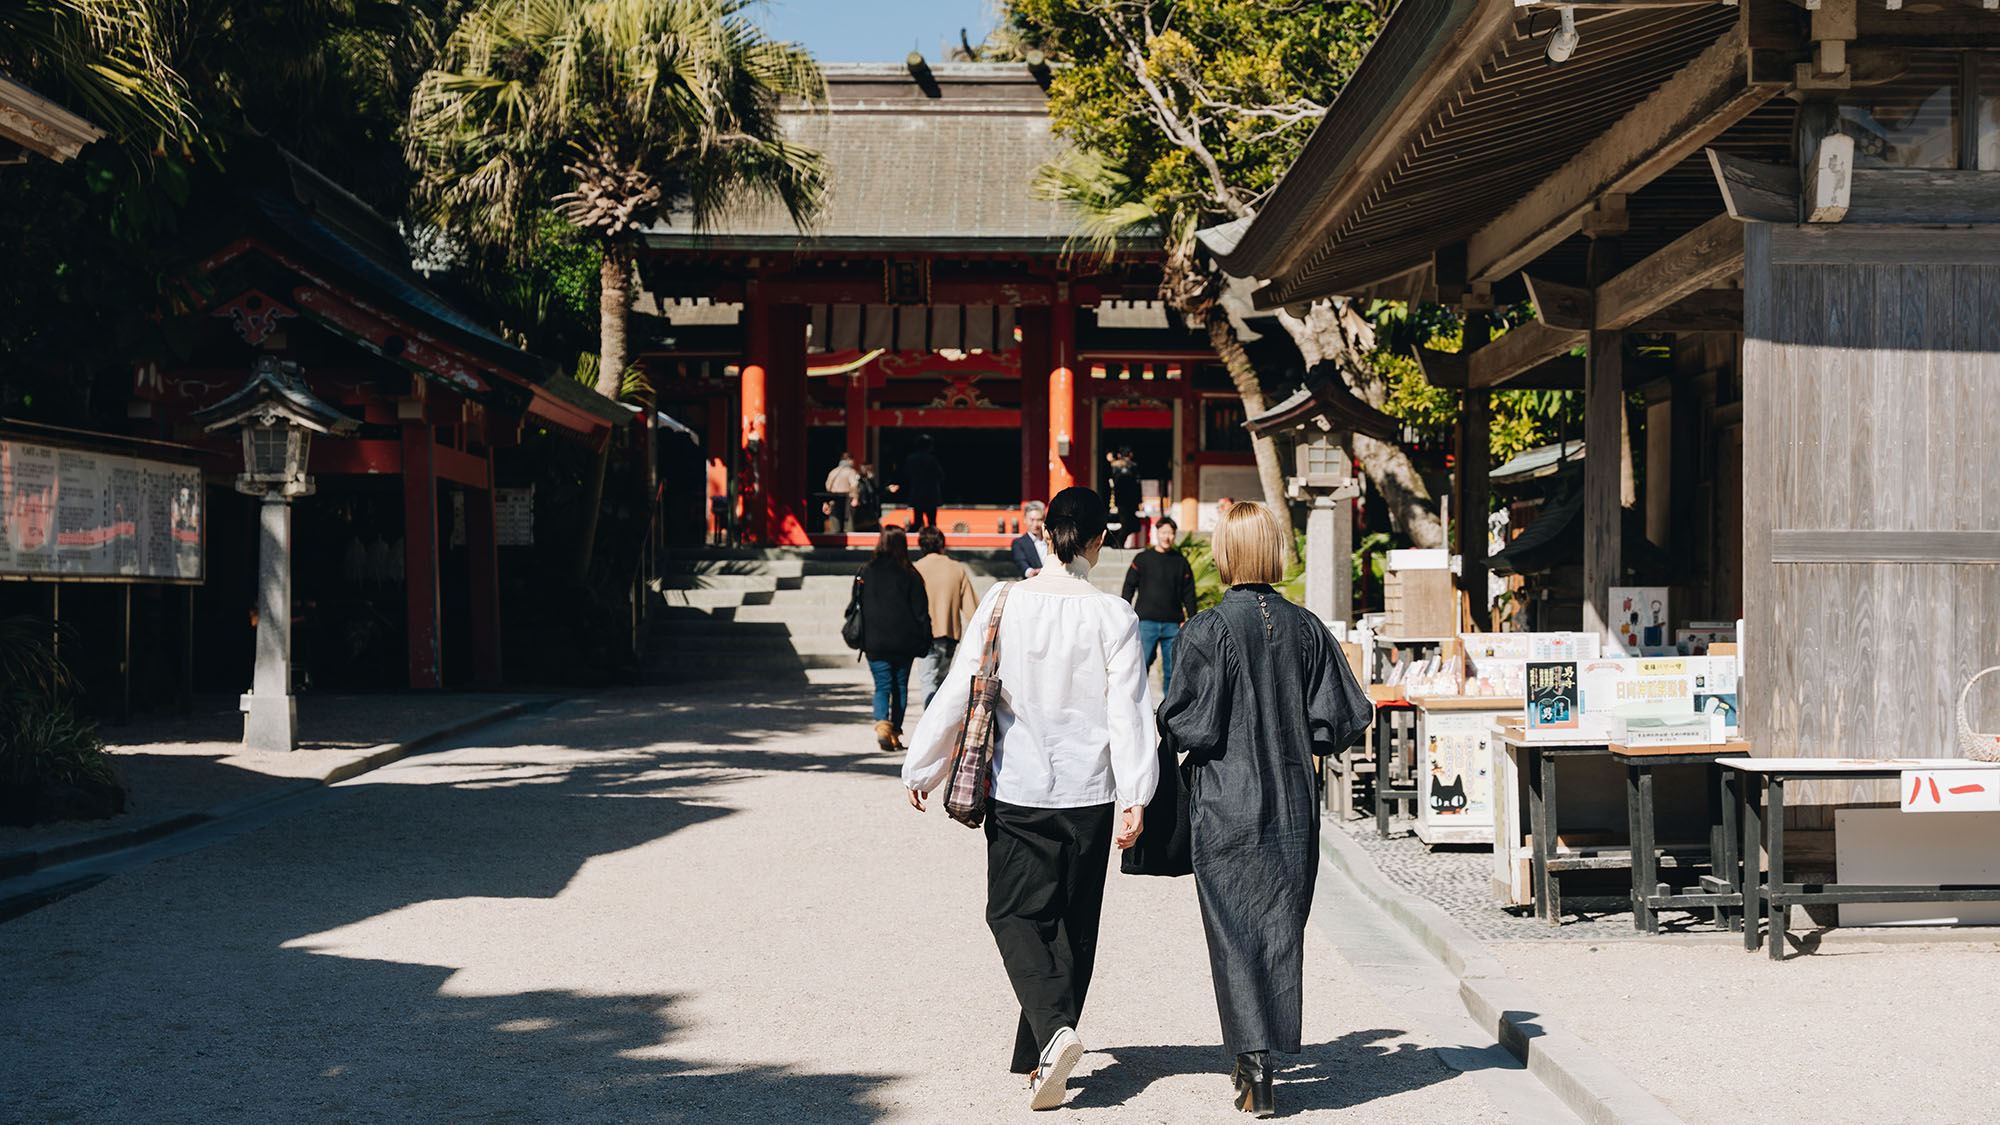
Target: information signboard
x=81 y=514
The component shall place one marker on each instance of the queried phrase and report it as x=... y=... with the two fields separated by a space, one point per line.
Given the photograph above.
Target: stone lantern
x=1324 y=478
x=277 y=416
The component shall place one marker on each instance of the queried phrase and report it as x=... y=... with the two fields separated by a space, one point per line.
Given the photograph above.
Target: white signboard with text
x=72 y=513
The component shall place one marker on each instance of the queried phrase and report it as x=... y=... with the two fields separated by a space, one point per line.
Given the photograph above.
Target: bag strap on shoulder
x=989 y=657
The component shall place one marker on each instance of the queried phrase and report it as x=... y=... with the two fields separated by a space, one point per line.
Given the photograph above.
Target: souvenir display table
x=1720 y=891
x=1761 y=797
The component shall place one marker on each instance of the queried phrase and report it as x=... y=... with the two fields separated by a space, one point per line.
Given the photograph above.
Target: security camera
x=1563 y=43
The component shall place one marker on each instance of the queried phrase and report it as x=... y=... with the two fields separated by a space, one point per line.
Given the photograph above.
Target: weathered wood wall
x=1871 y=492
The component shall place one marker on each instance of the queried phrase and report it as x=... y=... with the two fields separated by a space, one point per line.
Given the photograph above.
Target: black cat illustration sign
x=1447 y=798
x=1458 y=768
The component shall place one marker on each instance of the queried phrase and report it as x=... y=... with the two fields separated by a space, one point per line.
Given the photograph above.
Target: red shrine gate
x=934 y=296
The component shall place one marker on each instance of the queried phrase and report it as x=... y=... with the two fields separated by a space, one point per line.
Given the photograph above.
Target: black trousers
x=922 y=514
x=1044 y=893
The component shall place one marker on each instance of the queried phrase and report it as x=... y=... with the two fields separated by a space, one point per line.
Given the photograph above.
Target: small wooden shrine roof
x=943 y=166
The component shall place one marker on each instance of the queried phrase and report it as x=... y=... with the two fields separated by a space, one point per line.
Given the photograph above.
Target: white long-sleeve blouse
x=1075 y=719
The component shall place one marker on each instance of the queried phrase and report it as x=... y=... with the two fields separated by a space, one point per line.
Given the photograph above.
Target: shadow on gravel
x=1352 y=1070
x=354 y=963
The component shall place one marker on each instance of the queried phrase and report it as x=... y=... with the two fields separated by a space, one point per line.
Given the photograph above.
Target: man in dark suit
x=1028 y=549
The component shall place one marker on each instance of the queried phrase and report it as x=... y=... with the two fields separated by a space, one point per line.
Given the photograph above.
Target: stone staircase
x=775 y=615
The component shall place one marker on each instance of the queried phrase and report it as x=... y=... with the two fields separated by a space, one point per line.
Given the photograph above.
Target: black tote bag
x=1165 y=846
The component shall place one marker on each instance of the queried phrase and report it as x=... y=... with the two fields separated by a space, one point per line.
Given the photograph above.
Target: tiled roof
x=911 y=170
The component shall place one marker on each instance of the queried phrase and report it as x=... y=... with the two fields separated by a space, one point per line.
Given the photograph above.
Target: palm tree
x=612 y=114
x=105 y=59
x=1110 y=210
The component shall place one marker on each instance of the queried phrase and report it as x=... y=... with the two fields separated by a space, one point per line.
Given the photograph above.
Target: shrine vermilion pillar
x=1034 y=360
x=1063 y=451
x=420 y=551
x=754 y=431
x=786 y=498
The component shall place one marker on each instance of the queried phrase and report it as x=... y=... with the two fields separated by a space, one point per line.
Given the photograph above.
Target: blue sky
x=876 y=30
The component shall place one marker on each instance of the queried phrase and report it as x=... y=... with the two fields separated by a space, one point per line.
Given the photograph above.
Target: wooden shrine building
x=1778 y=225
x=934 y=296
x=397 y=557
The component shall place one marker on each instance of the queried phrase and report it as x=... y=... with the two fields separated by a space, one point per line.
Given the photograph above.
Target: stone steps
x=777 y=615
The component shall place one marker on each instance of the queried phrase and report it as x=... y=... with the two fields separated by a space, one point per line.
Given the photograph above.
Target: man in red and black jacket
x=1160 y=586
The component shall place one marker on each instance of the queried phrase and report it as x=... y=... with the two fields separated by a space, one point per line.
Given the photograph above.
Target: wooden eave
x=1489 y=132
x=40 y=125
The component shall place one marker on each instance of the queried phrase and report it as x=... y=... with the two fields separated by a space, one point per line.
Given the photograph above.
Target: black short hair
x=1076 y=516
x=930 y=539
x=1166 y=521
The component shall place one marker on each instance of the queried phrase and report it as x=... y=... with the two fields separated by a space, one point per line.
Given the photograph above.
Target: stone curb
x=26 y=861
x=1587 y=1082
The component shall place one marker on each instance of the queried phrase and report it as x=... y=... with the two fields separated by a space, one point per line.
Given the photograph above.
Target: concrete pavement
x=653 y=906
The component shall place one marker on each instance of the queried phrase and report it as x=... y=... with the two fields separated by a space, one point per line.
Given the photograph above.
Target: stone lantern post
x=1324 y=478
x=277 y=416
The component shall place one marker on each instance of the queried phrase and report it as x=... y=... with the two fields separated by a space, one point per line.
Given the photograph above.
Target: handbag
x=1166 y=845
x=852 y=630
x=970 y=778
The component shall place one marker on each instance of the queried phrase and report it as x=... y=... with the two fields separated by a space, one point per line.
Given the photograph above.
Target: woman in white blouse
x=1073 y=744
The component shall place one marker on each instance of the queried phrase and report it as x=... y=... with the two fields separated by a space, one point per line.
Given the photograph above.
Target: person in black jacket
x=1160 y=585
x=923 y=483
x=895 y=629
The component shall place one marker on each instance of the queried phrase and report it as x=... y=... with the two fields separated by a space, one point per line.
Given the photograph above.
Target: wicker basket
x=1979 y=747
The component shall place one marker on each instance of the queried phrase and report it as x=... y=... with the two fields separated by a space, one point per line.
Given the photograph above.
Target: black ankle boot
x=1252 y=1079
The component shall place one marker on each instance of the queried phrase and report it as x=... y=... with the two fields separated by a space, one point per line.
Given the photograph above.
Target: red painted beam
x=947 y=419
x=461 y=468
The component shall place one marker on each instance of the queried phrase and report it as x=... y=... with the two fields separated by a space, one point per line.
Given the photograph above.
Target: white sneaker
x=1049 y=1084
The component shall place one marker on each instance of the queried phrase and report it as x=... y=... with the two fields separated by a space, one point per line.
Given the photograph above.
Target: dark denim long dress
x=1259 y=688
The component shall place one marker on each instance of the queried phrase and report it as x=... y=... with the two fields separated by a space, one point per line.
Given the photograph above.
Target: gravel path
x=710 y=906
x=1857 y=1030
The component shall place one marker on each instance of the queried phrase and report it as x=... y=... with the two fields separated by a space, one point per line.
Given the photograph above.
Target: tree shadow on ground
x=1353 y=1070
x=247 y=980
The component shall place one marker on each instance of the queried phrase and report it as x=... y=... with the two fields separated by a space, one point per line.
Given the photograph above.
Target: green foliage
x=614 y=112
x=1208 y=585
x=1202 y=103
x=100 y=249
x=42 y=740
x=109 y=60
x=1522 y=419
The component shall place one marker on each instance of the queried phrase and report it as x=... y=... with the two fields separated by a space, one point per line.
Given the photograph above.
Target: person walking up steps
x=1160 y=585
x=952 y=601
x=1073 y=744
x=1261 y=690
x=896 y=625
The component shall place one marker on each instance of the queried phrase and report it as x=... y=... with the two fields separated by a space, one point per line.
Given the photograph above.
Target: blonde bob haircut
x=1250 y=545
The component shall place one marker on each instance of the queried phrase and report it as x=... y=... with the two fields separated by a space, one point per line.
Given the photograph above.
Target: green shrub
x=52 y=764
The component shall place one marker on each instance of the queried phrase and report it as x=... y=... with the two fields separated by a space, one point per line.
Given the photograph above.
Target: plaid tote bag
x=971 y=775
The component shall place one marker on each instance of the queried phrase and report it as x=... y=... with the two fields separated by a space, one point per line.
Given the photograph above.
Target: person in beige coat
x=952 y=604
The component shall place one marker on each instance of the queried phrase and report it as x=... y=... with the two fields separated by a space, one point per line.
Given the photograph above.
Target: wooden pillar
x=420 y=552
x=1035 y=360
x=785 y=389
x=1603 y=415
x=857 y=411
x=753 y=432
x=1066 y=452
x=482 y=559
x=1475 y=484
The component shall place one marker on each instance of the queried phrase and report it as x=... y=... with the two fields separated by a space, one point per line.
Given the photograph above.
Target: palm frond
x=1109 y=208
